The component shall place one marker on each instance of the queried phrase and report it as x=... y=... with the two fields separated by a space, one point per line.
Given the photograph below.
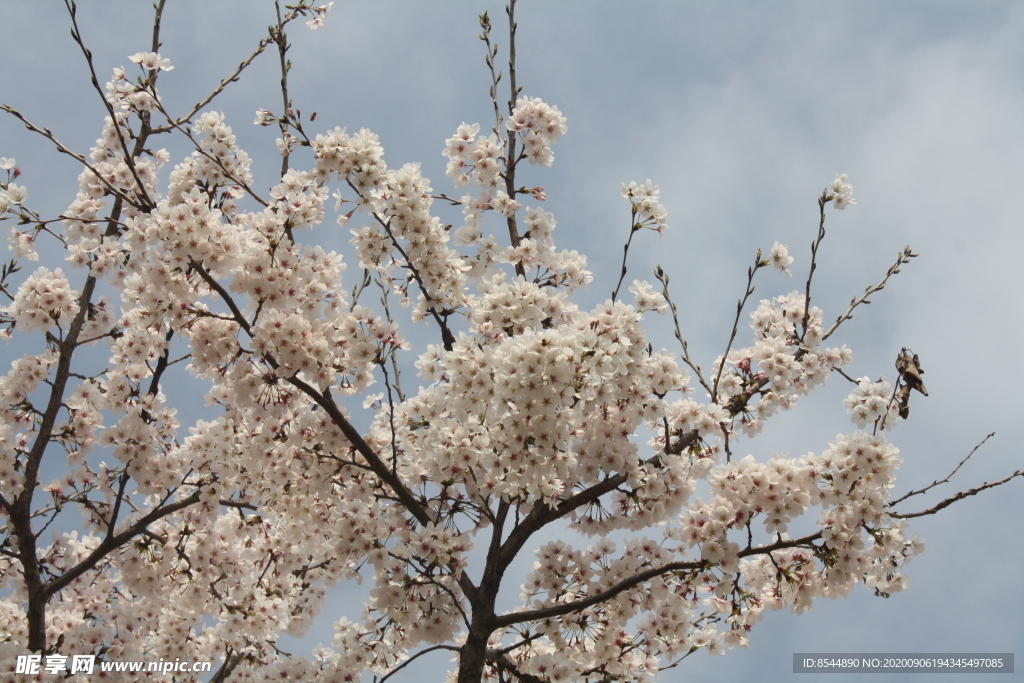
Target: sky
x=741 y=113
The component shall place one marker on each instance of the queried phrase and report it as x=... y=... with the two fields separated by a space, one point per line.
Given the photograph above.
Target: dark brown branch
x=325 y=401
x=542 y=515
x=231 y=662
x=237 y=504
x=21 y=510
x=224 y=294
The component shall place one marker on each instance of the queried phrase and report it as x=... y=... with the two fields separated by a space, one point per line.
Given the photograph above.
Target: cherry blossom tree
x=316 y=464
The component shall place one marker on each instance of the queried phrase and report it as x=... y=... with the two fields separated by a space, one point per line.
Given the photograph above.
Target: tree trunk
x=472 y=657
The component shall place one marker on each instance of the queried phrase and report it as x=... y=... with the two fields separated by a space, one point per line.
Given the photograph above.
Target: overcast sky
x=742 y=113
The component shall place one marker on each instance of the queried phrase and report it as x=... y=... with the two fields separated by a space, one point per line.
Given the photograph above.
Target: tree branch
x=959 y=496
x=902 y=259
x=261 y=46
x=758 y=263
x=115 y=541
x=822 y=201
x=506 y=663
x=662 y=277
x=948 y=476
x=506 y=620
x=129 y=159
x=414 y=657
x=45 y=132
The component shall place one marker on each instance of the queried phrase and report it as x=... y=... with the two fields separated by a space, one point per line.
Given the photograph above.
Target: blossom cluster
x=780 y=258
x=784 y=362
x=872 y=403
x=355 y=159
x=44 y=299
x=473 y=160
x=648 y=209
x=539 y=125
x=13 y=197
x=841 y=192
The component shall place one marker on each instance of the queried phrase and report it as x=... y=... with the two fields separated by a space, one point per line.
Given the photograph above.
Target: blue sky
x=742 y=113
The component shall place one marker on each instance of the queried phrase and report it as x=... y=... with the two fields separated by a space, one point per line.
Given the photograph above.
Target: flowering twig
x=448 y=339
x=880 y=422
x=391 y=356
x=199 y=148
x=846 y=376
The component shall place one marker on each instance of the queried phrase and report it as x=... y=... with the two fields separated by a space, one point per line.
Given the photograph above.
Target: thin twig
x=948 y=476
x=260 y=47
x=45 y=132
x=447 y=338
x=848 y=378
x=391 y=417
x=414 y=657
x=822 y=201
x=281 y=38
x=199 y=148
x=902 y=259
x=880 y=422
x=662 y=277
x=633 y=228
x=492 y=52
x=959 y=496
x=129 y=159
x=758 y=263
x=391 y=356
x=511 y=159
